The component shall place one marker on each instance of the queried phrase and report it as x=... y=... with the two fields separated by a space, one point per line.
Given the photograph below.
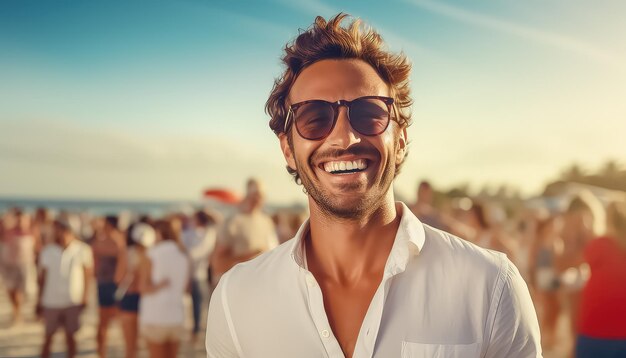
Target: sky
x=162 y=99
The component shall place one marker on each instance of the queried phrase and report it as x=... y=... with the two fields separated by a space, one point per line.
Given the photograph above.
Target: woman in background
x=140 y=237
x=544 y=279
x=163 y=280
x=485 y=233
x=107 y=246
x=602 y=328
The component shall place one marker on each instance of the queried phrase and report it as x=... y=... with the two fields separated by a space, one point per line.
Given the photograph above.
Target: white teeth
x=359 y=164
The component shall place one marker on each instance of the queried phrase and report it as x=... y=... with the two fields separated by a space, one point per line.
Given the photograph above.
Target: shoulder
x=461 y=267
x=153 y=252
x=452 y=250
x=85 y=252
x=48 y=252
x=267 y=219
x=49 y=249
x=82 y=245
x=601 y=243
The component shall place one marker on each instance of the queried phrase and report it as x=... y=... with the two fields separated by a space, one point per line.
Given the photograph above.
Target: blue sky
x=161 y=99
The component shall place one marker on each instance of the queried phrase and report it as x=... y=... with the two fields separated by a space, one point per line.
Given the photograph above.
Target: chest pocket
x=425 y=350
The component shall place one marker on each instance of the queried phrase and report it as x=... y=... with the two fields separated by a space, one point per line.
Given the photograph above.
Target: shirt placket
x=371 y=323
x=320 y=319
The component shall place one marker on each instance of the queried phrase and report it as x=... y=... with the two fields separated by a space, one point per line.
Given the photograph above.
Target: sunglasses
x=315 y=119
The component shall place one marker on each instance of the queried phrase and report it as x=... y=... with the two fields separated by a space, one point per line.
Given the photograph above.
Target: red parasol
x=222 y=195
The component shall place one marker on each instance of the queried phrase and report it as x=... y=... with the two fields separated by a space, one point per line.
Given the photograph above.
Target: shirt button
x=325 y=333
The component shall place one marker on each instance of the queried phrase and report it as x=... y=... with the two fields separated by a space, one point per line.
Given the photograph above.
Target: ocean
x=106 y=207
x=115 y=207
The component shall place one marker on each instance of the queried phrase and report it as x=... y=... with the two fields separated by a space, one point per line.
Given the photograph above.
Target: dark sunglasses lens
x=314 y=120
x=369 y=116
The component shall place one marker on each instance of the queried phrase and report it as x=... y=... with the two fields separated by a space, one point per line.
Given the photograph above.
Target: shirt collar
x=409 y=241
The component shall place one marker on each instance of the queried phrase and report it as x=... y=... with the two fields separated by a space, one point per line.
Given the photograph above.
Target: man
x=363 y=277
x=244 y=235
x=65 y=270
x=199 y=240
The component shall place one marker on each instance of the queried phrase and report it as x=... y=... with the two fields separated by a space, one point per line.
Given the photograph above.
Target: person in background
x=583 y=221
x=485 y=234
x=140 y=237
x=163 y=280
x=246 y=234
x=282 y=221
x=2 y=225
x=65 y=274
x=544 y=278
x=602 y=319
x=43 y=226
x=199 y=241
x=424 y=208
x=107 y=246
x=18 y=257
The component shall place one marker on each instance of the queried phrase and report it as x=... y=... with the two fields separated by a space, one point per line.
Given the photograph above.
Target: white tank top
x=165 y=306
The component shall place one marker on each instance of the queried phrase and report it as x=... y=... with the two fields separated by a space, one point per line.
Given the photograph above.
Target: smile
x=345 y=167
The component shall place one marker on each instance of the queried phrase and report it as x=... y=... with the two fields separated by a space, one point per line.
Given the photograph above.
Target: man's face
x=347 y=195
x=62 y=236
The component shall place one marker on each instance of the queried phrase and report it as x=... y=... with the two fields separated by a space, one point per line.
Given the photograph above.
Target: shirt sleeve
x=515 y=329
x=221 y=340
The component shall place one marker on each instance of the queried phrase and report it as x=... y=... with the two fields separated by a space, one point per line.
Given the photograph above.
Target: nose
x=343 y=135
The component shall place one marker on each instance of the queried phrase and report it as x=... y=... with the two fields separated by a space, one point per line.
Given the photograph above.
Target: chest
x=63 y=266
x=346 y=308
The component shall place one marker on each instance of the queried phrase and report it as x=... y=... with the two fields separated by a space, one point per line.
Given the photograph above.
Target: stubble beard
x=362 y=207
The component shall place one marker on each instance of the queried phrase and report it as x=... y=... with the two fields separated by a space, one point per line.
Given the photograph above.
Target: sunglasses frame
x=335 y=106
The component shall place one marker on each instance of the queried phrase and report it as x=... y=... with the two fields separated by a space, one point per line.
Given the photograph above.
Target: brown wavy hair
x=329 y=40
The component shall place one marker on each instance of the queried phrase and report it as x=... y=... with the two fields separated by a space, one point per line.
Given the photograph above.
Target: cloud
x=554 y=40
x=64 y=159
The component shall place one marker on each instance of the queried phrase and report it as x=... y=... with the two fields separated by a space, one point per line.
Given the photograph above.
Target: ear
x=287 y=152
x=402 y=146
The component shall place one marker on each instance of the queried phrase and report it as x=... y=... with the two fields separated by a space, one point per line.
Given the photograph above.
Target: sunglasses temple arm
x=289 y=115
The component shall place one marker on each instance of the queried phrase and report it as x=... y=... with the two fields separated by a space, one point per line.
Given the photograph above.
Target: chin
x=345 y=207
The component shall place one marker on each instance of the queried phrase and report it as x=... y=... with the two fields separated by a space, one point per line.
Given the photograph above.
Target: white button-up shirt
x=440 y=296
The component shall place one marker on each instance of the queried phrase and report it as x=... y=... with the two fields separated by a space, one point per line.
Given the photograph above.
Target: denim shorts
x=106 y=294
x=130 y=302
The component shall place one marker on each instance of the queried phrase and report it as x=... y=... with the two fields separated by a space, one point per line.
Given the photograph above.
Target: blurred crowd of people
x=574 y=261
x=141 y=267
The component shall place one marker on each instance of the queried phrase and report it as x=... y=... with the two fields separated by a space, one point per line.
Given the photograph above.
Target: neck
x=66 y=243
x=249 y=208
x=344 y=250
